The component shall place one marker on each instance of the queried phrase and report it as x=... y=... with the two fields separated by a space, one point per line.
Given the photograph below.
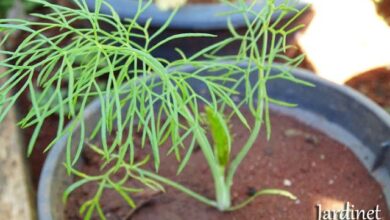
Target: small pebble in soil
x=311 y=139
x=322 y=157
x=251 y=191
x=287 y=182
x=297 y=202
x=331 y=182
x=292 y=132
x=235 y=195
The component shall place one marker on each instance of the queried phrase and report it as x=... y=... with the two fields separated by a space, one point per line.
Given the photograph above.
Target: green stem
x=243 y=152
x=222 y=190
x=177 y=186
x=253 y=136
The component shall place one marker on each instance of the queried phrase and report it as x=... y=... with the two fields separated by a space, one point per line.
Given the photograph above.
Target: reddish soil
x=309 y=164
x=375 y=84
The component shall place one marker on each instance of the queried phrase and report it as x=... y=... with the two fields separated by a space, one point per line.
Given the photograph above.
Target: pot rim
x=191 y=16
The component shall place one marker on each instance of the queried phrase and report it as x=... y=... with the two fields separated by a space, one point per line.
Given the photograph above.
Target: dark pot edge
x=203 y=16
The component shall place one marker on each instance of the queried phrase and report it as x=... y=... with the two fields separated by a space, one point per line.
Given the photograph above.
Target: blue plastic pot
x=190 y=16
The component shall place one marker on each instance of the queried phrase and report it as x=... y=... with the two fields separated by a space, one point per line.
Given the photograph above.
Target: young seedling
x=153 y=94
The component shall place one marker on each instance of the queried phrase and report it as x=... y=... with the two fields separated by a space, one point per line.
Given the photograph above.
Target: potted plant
x=188 y=109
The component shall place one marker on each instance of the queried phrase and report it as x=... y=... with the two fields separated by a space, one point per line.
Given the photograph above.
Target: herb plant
x=44 y=62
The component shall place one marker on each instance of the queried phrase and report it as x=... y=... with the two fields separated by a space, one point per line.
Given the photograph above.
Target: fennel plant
x=80 y=56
